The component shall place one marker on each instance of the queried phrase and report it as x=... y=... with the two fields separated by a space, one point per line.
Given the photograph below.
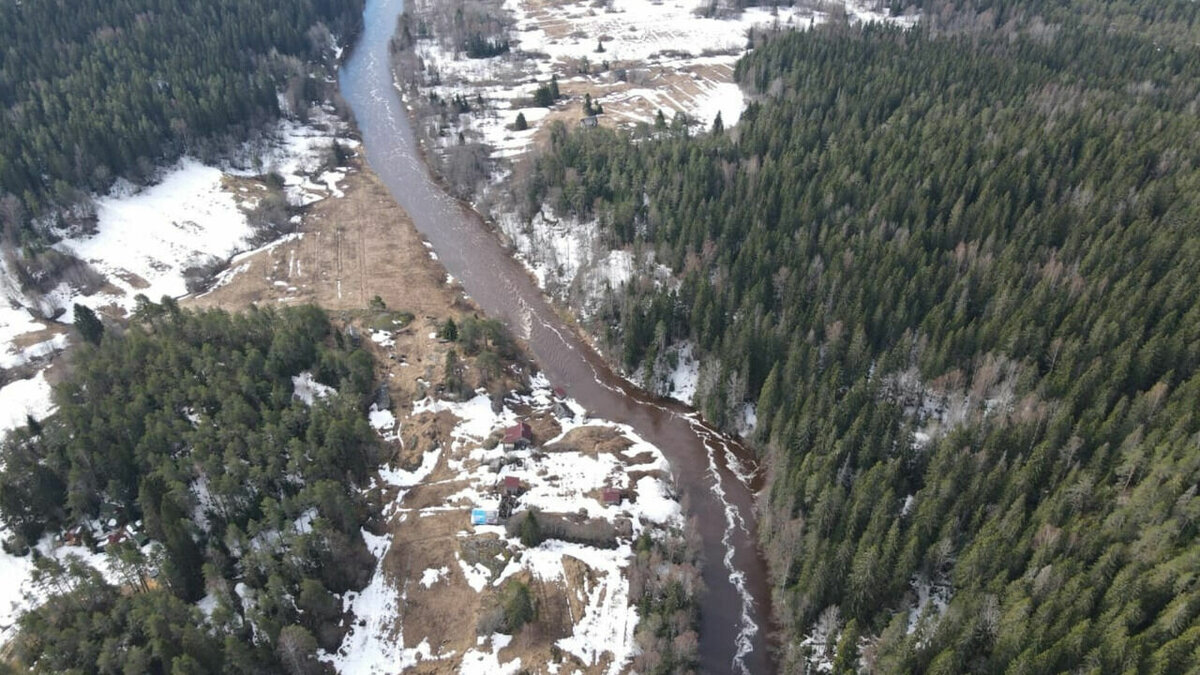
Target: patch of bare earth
x=350 y=250
x=430 y=533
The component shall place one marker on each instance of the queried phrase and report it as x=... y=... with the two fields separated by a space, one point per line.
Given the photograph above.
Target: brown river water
x=719 y=476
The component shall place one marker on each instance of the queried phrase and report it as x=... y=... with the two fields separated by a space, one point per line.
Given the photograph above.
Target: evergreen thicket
x=1164 y=21
x=94 y=90
x=957 y=276
x=251 y=497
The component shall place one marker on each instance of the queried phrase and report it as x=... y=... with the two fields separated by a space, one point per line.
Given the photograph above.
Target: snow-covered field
x=145 y=239
x=656 y=55
x=554 y=481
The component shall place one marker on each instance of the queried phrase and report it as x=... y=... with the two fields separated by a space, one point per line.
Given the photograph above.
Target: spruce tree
x=90 y=328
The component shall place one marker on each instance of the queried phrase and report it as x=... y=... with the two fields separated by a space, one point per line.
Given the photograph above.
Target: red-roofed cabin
x=611 y=496
x=518 y=437
x=512 y=485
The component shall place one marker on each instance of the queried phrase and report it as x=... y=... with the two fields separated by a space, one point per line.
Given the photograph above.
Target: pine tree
x=88 y=324
x=531 y=531
x=845 y=661
x=518 y=606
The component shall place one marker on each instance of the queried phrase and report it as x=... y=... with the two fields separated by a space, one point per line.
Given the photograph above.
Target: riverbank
x=637 y=66
x=734 y=621
x=356 y=253
x=432 y=588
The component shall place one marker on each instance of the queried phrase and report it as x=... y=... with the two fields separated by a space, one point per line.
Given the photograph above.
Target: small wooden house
x=611 y=496
x=518 y=437
x=512 y=485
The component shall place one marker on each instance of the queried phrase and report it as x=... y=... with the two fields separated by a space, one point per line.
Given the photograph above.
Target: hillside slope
x=950 y=281
x=125 y=86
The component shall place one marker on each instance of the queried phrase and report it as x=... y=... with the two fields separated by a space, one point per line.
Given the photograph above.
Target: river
x=735 y=611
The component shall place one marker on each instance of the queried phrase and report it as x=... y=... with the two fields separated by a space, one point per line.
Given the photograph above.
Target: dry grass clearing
x=351 y=249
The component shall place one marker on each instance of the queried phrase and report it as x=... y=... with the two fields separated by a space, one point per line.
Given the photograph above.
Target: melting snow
x=476 y=574
x=13 y=357
x=477 y=662
x=21 y=398
x=376 y=646
x=383 y=421
x=307 y=389
x=433 y=575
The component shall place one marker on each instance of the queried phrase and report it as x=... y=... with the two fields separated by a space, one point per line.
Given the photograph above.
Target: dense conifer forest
x=93 y=90
x=956 y=274
x=1165 y=21
x=186 y=429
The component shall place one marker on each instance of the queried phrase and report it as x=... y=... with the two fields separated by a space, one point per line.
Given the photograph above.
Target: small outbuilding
x=512 y=485
x=518 y=437
x=611 y=496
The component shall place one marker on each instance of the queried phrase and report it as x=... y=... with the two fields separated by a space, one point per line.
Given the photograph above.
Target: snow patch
x=478 y=662
x=307 y=389
x=13 y=357
x=477 y=575
x=384 y=422
x=433 y=575
x=24 y=398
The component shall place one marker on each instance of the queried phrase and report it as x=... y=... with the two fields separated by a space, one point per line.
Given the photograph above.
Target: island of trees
x=187 y=429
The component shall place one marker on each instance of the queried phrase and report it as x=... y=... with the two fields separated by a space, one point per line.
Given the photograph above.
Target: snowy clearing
x=635 y=57
x=23 y=398
x=557 y=476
